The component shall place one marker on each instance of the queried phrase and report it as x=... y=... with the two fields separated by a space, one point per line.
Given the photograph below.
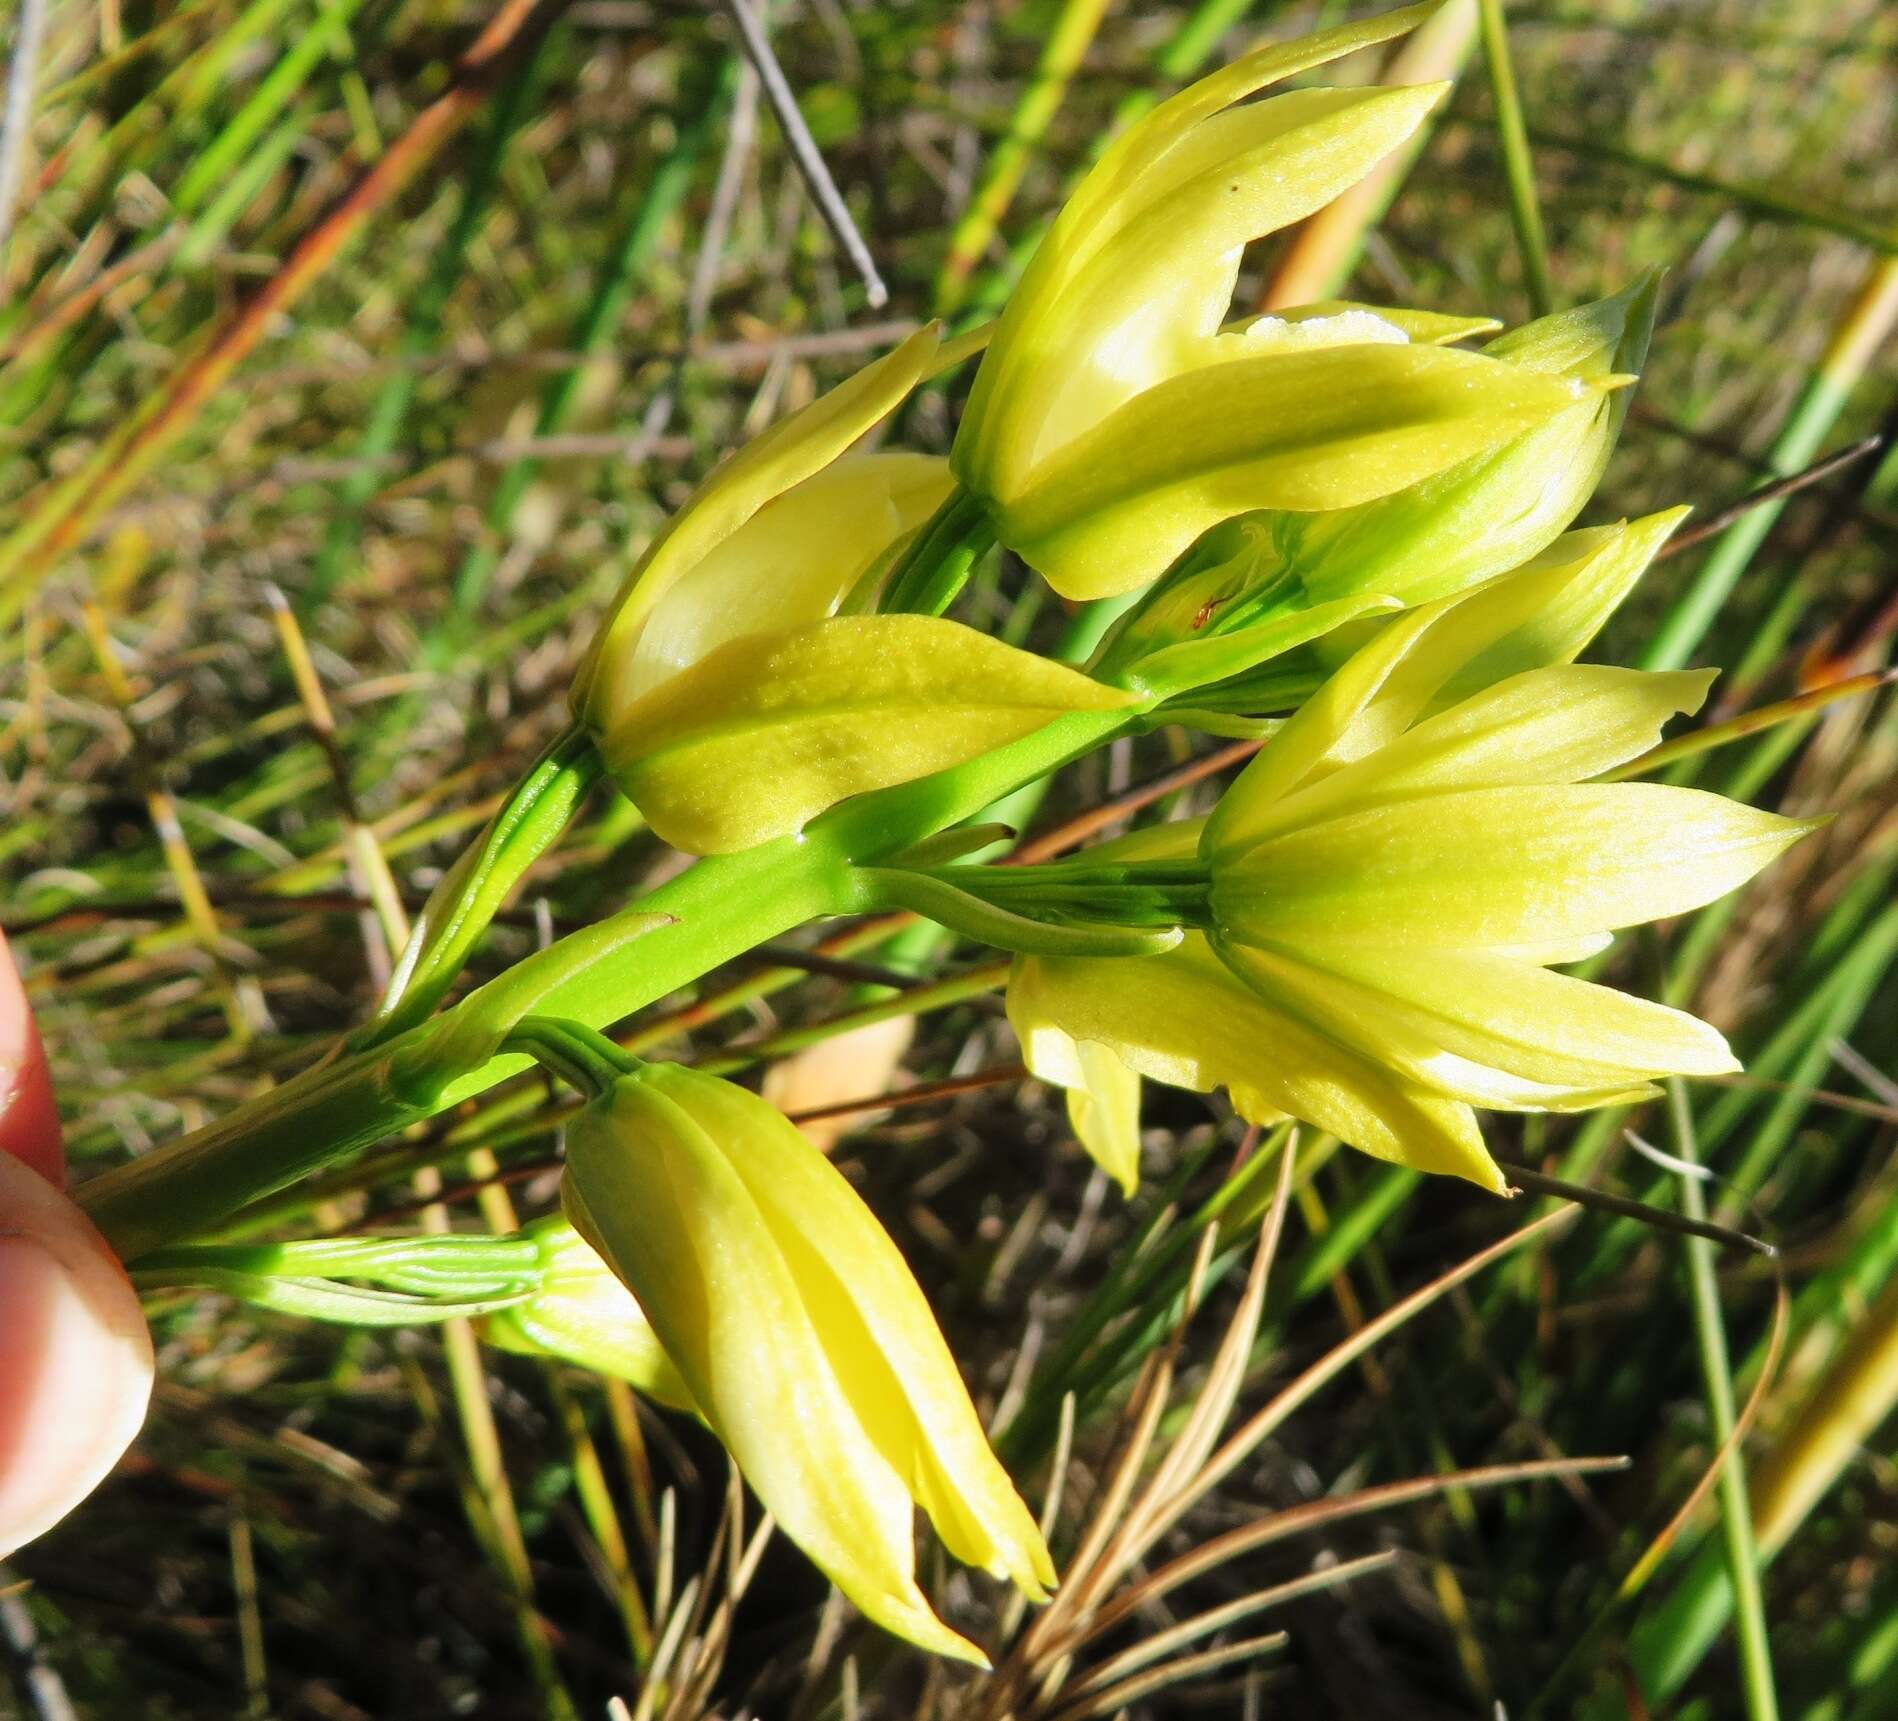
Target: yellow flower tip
x=1026 y=1563
x=960 y=348
x=1453 y=1148
x=1615 y=381
x=1492 y=1180
x=911 y=1618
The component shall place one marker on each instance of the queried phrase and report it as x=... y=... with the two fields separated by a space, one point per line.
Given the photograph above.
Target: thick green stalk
x=717 y=910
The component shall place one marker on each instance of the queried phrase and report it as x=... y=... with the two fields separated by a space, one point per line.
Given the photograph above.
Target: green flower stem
x=1736 y=1514
x=319 y=1300
x=581 y=1056
x=709 y=915
x=1512 y=137
x=940 y=558
x=454 y=1266
x=940 y=896
x=1118 y=897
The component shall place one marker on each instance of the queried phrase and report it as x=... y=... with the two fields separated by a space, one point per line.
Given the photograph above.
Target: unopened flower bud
x=802 y=1337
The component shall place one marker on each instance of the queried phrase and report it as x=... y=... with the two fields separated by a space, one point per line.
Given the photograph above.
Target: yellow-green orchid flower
x=802 y=1337
x=1268 y=580
x=583 y=1314
x=732 y=703
x=1114 y=418
x=1396 y=876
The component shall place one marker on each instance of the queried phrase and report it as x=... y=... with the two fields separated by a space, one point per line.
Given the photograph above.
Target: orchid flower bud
x=732 y=703
x=1114 y=420
x=802 y=1337
x=584 y=1315
x=1397 y=875
x=1265 y=582
x=744 y=586
x=1490 y=513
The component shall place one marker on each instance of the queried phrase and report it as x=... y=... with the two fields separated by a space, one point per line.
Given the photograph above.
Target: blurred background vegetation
x=348 y=351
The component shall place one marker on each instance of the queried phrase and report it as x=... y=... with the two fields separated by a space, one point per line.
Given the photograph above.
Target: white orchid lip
x=1352 y=326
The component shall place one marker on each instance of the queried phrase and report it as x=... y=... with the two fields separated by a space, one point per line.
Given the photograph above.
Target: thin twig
x=923 y=1092
x=804 y=151
x=1816 y=473
x=1535 y=1183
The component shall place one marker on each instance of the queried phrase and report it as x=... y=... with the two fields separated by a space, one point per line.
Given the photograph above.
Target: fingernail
x=75 y=1378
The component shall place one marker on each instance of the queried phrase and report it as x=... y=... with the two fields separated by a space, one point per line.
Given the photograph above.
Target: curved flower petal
x=1557 y=1038
x=1184 y=1019
x=1509 y=1013
x=1545 y=726
x=1146 y=303
x=1304 y=430
x=661 y=1202
x=1495 y=511
x=1499 y=866
x=759 y=737
x=1104 y=1110
x=1103 y=1093
x=1144 y=148
x=793 y=561
x=1425 y=328
x=1539 y=616
x=785 y=455
x=879 y=1333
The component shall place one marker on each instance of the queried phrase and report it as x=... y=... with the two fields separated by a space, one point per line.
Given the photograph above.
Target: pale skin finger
x=75 y=1356
x=29 y=1125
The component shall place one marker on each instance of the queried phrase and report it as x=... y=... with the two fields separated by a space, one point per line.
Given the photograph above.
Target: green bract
x=762 y=472
x=1493 y=512
x=732 y=703
x=583 y=1314
x=772 y=728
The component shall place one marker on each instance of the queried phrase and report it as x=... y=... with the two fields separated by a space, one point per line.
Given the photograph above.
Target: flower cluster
x=752 y=672
x=1347 y=531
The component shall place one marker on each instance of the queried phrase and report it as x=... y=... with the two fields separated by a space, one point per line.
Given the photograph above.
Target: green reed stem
x=1518 y=168
x=1736 y=1513
x=1855 y=338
